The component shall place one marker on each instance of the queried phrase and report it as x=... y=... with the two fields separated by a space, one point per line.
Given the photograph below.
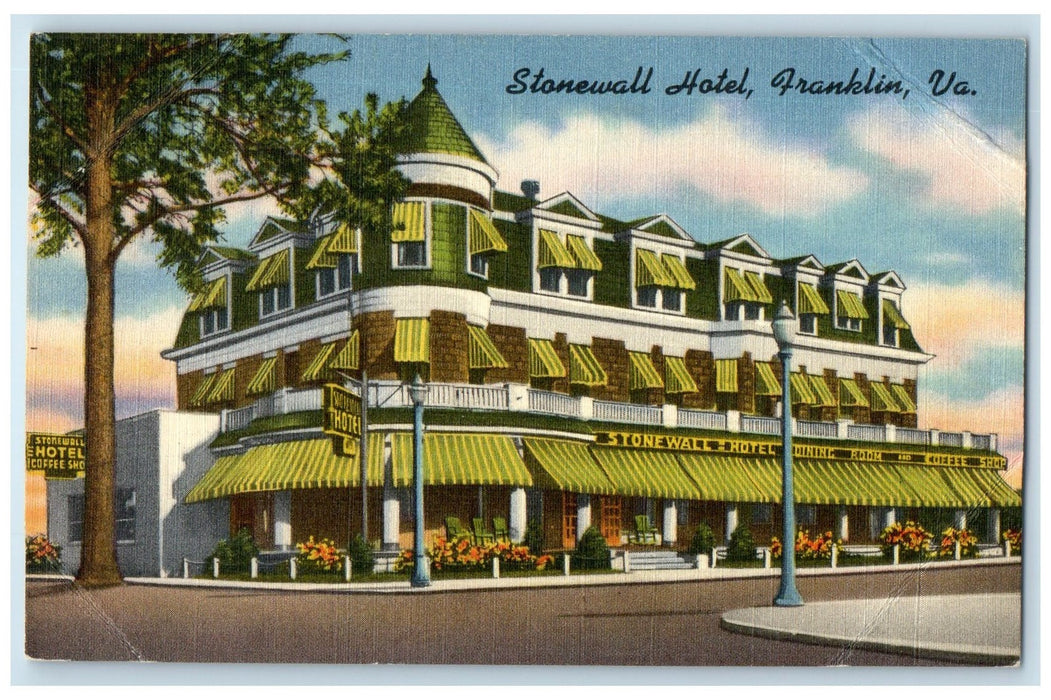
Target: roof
x=432 y=127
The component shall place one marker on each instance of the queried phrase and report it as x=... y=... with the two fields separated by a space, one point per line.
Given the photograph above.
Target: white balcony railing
x=760 y=424
x=468 y=396
x=707 y=420
x=981 y=442
x=556 y=404
x=950 y=439
x=867 y=433
x=912 y=436
x=634 y=413
x=810 y=428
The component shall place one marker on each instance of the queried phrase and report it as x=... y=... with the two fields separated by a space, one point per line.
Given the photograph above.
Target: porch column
x=517 y=520
x=391 y=519
x=890 y=516
x=731 y=520
x=583 y=513
x=960 y=519
x=283 y=520
x=844 y=524
x=671 y=522
x=992 y=526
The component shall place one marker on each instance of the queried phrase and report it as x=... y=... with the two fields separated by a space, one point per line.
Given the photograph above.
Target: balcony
x=523 y=399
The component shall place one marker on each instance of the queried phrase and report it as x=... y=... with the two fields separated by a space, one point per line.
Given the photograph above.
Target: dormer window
x=566 y=268
x=660 y=281
x=483 y=240
x=409 y=235
x=810 y=306
x=850 y=312
x=273 y=281
x=744 y=295
x=210 y=304
x=336 y=261
x=893 y=323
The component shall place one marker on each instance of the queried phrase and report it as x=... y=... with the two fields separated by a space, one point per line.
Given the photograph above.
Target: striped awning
x=822 y=395
x=483 y=236
x=800 y=389
x=678 y=271
x=726 y=376
x=584 y=367
x=543 y=360
x=722 y=478
x=317 y=370
x=408 y=224
x=642 y=373
x=349 y=356
x=997 y=490
x=344 y=240
x=766 y=383
x=322 y=257
x=755 y=281
x=223 y=387
x=481 y=352
x=583 y=255
x=460 y=459
x=271 y=272
x=213 y=296
x=265 y=379
x=552 y=252
x=971 y=492
x=849 y=483
x=567 y=466
x=412 y=340
x=850 y=394
x=201 y=392
x=902 y=398
x=882 y=400
x=765 y=473
x=930 y=486
x=649 y=272
x=850 y=305
x=300 y=464
x=893 y=317
x=735 y=288
x=677 y=379
x=650 y=473
x=810 y=302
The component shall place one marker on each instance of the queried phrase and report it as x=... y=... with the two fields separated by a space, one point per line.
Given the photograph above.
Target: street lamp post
x=421 y=577
x=784 y=326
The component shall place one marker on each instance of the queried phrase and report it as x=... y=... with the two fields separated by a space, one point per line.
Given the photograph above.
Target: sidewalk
x=981 y=629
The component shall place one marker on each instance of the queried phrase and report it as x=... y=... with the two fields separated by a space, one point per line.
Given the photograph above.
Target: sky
x=930 y=186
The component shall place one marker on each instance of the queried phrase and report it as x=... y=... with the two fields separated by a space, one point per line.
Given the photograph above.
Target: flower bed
x=319 y=556
x=807 y=547
x=1013 y=536
x=911 y=538
x=460 y=555
x=968 y=543
x=42 y=555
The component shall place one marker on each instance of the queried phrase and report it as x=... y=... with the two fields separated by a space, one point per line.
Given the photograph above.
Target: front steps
x=659 y=560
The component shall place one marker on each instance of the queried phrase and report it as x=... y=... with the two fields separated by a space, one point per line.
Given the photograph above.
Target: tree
x=138 y=135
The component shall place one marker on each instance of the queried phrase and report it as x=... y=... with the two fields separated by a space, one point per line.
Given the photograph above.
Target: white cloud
x=727 y=159
x=963 y=168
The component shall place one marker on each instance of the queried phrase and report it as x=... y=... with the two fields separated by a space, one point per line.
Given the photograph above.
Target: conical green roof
x=433 y=128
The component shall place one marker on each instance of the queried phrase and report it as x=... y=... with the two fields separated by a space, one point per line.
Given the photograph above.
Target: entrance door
x=254 y=512
x=609 y=522
x=569 y=520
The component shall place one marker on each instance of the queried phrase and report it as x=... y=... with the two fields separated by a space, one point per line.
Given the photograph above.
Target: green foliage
x=703 y=540
x=742 y=545
x=362 y=557
x=534 y=536
x=592 y=552
x=235 y=554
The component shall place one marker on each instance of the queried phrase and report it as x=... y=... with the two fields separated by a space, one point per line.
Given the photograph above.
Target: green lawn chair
x=481 y=535
x=644 y=531
x=500 y=531
x=454 y=531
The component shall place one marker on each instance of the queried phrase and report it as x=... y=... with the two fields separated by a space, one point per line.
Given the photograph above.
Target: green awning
x=766 y=383
x=349 y=357
x=344 y=240
x=765 y=473
x=902 y=398
x=822 y=395
x=971 y=492
x=651 y=473
x=735 y=288
x=567 y=466
x=755 y=281
x=723 y=478
x=483 y=236
x=893 y=317
x=930 y=486
x=407 y=218
x=585 y=257
x=543 y=360
x=678 y=271
x=649 y=272
x=322 y=257
x=481 y=352
x=552 y=252
x=201 y=392
x=810 y=302
x=213 y=296
x=584 y=367
x=882 y=400
x=271 y=272
x=317 y=370
x=820 y=482
x=642 y=373
x=849 y=483
x=412 y=340
x=800 y=390
x=460 y=459
x=677 y=379
x=726 y=376
x=223 y=387
x=850 y=305
x=850 y=394
x=998 y=490
x=265 y=379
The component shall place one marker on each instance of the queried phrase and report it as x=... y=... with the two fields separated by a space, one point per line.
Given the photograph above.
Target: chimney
x=531 y=188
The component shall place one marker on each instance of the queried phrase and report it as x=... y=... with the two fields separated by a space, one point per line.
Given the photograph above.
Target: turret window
x=409 y=235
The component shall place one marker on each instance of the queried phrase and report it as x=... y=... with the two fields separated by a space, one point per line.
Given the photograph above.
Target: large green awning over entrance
x=650 y=473
x=568 y=466
x=724 y=478
x=930 y=486
x=455 y=459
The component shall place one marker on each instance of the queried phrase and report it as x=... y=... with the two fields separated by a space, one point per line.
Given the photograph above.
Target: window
x=411 y=254
x=480 y=265
x=890 y=336
x=550 y=279
x=125 y=515
x=671 y=299
x=336 y=279
x=808 y=324
x=275 y=299
x=806 y=514
x=647 y=296
x=761 y=513
x=753 y=312
x=75 y=517
x=214 y=321
x=848 y=324
x=578 y=282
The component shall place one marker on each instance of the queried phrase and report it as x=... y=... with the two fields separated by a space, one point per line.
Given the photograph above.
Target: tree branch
x=66 y=129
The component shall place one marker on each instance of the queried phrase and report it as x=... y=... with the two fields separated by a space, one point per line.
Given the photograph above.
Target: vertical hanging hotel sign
x=342 y=418
x=58 y=456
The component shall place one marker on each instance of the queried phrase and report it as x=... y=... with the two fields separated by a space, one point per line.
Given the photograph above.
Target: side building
x=581 y=370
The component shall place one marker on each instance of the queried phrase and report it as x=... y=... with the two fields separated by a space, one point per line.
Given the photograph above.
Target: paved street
x=665 y=624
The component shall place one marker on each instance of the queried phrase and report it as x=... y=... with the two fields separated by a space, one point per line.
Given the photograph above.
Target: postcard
x=496 y=349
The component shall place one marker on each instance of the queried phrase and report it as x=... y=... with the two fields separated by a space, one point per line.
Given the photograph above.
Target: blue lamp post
x=784 y=326
x=421 y=577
